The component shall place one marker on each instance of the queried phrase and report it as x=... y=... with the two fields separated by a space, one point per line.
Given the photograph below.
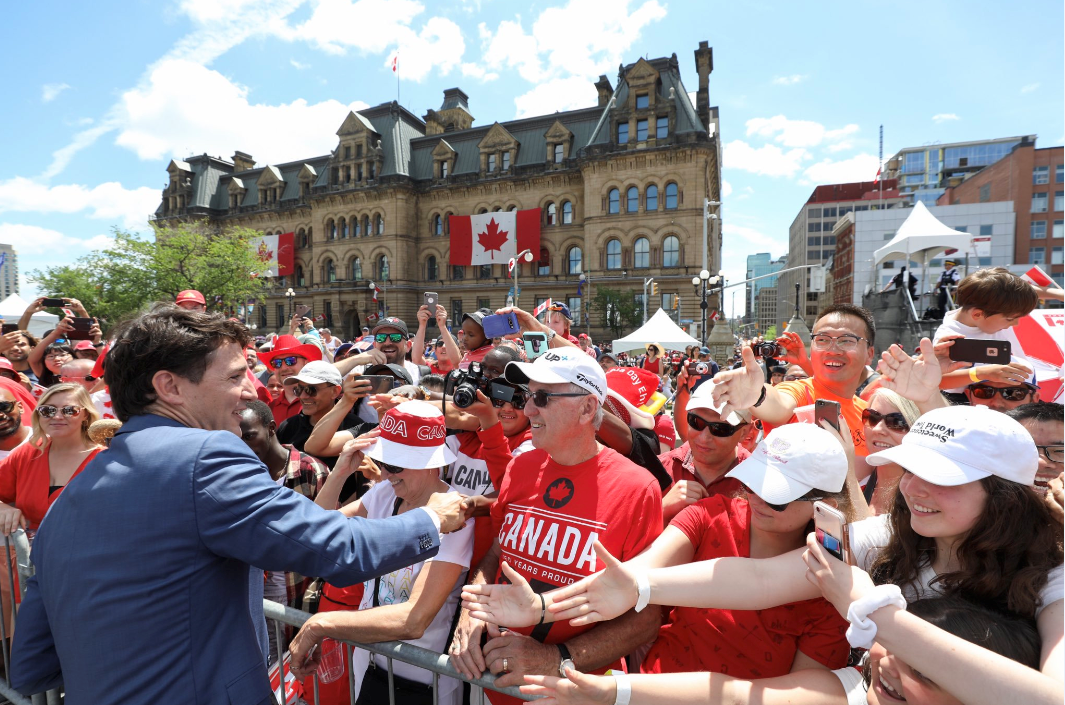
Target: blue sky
x=104 y=94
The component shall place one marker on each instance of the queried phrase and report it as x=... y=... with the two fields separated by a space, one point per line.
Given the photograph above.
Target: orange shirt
x=24 y=481
x=806 y=391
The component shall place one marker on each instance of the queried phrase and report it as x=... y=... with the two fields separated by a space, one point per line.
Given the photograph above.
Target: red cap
x=666 y=431
x=5 y=364
x=84 y=345
x=190 y=295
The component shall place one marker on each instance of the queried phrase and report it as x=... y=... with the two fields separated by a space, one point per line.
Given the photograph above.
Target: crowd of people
x=592 y=514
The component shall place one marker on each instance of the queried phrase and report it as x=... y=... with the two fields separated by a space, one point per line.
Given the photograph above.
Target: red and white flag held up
x=715 y=315
x=376 y=291
x=541 y=308
x=276 y=252
x=493 y=238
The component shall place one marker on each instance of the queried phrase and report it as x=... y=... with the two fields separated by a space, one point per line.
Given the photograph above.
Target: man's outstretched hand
x=451 y=508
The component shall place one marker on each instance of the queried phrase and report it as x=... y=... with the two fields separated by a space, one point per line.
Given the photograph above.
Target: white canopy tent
x=922 y=238
x=660 y=329
x=12 y=308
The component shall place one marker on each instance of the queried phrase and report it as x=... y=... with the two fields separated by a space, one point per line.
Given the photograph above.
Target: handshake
x=451 y=507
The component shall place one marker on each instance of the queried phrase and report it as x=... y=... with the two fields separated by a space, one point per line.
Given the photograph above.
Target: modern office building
x=1033 y=180
x=765 y=304
x=620 y=186
x=927 y=171
x=759 y=265
x=8 y=271
x=810 y=238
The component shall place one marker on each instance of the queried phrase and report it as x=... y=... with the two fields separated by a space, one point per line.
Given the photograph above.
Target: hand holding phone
x=80 y=330
x=828 y=411
x=831 y=529
x=535 y=344
x=980 y=352
x=302 y=310
x=499 y=325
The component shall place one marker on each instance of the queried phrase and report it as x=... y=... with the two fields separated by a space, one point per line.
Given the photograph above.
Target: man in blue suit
x=142 y=586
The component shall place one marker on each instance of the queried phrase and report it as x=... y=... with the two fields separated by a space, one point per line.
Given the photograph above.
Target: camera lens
x=465 y=395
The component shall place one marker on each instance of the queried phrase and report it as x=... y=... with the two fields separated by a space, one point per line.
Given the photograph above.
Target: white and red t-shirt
x=549 y=517
x=741 y=643
x=102 y=401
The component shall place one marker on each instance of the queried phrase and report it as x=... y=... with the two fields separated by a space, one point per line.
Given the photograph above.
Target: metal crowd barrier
x=438 y=664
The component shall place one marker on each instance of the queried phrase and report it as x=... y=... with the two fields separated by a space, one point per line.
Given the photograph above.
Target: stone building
x=620 y=186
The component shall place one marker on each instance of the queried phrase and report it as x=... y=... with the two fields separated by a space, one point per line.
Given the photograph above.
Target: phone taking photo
x=535 y=344
x=499 y=325
x=830 y=527
x=302 y=310
x=827 y=410
x=53 y=302
x=81 y=329
x=379 y=384
x=981 y=352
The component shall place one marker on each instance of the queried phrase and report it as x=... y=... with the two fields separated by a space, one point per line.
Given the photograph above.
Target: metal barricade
x=438 y=664
x=18 y=546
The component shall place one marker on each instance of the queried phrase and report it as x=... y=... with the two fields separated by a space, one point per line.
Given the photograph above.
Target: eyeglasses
x=845 y=342
x=394 y=337
x=289 y=360
x=894 y=421
x=542 y=398
x=48 y=411
x=6 y=407
x=794 y=378
x=58 y=353
x=307 y=389
x=390 y=469
x=985 y=392
x=720 y=429
x=1054 y=453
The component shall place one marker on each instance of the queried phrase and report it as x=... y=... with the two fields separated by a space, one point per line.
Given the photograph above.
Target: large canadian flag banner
x=1042 y=337
x=494 y=238
x=277 y=252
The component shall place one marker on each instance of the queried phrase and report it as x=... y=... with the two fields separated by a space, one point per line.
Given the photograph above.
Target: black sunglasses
x=440 y=343
x=720 y=429
x=782 y=507
x=391 y=469
x=394 y=337
x=542 y=398
x=983 y=391
x=6 y=407
x=289 y=360
x=894 y=421
x=307 y=389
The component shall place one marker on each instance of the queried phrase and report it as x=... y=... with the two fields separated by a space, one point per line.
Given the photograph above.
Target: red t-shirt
x=550 y=516
x=806 y=391
x=283 y=408
x=741 y=643
x=477 y=355
x=680 y=464
x=653 y=365
x=24 y=481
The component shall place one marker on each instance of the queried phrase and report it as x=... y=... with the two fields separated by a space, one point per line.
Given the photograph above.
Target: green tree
x=770 y=333
x=620 y=311
x=135 y=271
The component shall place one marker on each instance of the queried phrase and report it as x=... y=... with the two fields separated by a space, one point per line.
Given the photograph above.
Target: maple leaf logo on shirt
x=492 y=239
x=559 y=493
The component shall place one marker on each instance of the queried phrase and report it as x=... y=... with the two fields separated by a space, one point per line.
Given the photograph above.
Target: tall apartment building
x=758 y=265
x=810 y=239
x=8 y=271
x=620 y=186
x=1033 y=180
x=765 y=304
x=926 y=172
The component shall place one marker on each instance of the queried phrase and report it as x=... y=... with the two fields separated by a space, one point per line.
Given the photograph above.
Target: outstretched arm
x=740 y=389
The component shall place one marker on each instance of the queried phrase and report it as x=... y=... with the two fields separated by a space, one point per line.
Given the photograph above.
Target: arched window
x=543 y=266
x=366 y=226
x=567 y=213
x=301 y=237
x=671 y=196
x=343 y=228
x=573 y=260
x=382 y=267
x=651 y=198
x=632 y=199
x=330 y=271
x=438 y=225
x=483 y=211
x=497 y=209
x=613 y=254
x=331 y=230
x=642 y=253
x=380 y=221
x=512 y=209
x=613 y=201
x=300 y=279
x=671 y=251
x=356 y=269
x=552 y=214
x=431 y=270
x=355 y=229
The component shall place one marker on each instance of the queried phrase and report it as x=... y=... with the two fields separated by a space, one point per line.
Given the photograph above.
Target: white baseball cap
x=960 y=444
x=412 y=436
x=565 y=365
x=791 y=461
x=317 y=372
x=703 y=398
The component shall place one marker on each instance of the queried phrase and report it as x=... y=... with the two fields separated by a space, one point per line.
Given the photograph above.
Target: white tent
x=660 y=329
x=12 y=308
x=922 y=238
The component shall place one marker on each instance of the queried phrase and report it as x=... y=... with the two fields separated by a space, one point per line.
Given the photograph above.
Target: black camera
x=764 y=350
x=462 y=385
x=702 y=368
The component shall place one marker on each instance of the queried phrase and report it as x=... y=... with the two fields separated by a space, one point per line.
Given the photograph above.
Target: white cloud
x=32 y=240
x=1029 y=88
x=767 y=160
x=556 y=94
x=185 y=107
x=478 y=72
x=299 y=65
x=797 y=133
x=51 y=91
x=944 y=117
x=108 y=201
x=789 y=80
x=726 y=188
x=861 y=167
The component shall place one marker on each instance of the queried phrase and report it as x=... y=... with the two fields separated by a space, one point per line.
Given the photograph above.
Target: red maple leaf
x=557 y=493
x=492 y=238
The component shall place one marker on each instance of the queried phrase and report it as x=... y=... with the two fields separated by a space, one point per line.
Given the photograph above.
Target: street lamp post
x=701 y=280
x=291 y=296
x=526 y=255
x=584 y=304
x=384 y=298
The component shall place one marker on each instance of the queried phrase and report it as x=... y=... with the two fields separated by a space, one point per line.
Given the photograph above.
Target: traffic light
x=676 y=300
x=654 y=288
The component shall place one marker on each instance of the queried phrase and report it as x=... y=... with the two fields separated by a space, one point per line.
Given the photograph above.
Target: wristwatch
x=566 y=662
x=551 y=334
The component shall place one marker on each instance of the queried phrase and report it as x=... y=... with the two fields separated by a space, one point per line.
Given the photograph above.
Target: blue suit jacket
x=141 y=591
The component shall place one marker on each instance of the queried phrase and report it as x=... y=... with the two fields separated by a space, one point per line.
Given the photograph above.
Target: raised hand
x=351 y=457
x=423 y=316
x=597 y=598
x=916 y=378
x=741 y=387
x=355 y=389
x=514 y=605
x=794 y=349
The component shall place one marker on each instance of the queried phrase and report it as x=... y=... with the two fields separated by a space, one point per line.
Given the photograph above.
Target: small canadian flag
x=541 y=308
x=394 y=58
x=1037 y=276
x=376 y=291
x=715 y=315
x=493 y=238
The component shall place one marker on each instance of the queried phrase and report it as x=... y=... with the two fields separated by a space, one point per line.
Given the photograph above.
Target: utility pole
x=646 y=282
x=706 y=235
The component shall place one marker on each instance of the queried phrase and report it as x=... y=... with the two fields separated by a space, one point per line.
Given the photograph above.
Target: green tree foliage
x=135 y=272
x=620 y=311
x=770 y=333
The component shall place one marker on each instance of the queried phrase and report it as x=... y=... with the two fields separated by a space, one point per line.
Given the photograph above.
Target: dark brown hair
x=1004 y=558
x=862 y=314
x=165 y=338
x=997 y=290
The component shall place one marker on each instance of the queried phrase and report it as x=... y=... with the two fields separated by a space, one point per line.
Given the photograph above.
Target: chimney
x=242 y=162
x=605 y=91
x=704 y=65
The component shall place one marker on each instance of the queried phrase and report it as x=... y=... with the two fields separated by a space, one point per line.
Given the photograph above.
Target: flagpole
x=880 y=167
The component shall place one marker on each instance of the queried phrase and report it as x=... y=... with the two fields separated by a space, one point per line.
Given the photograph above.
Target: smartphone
x=8 y=328
x=535 y=344
x=500 y=324
x=431 y=300
x=828 y=410
x=302 y=310
x=830 y=527
x=379 y=384
x=81 y=329
x=994 y=352
x=53 y=302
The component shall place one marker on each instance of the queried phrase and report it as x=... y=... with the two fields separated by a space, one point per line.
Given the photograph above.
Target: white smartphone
x=830 y=527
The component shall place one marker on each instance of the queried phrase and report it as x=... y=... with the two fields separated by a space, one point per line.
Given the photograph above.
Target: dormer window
x=358 y=151
x=443 y=170
x=491 y=162
x=506 y=160
x=347 y=151
x=642 y=101
x=559 y=153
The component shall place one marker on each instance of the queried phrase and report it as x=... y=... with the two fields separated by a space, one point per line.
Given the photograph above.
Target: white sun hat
x=791 y=461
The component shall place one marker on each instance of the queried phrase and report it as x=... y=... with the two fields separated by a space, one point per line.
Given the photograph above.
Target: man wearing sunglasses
x=317 y=387
x=390 y=345
x=286 y=359
x=1001 y=396
x=12 y=431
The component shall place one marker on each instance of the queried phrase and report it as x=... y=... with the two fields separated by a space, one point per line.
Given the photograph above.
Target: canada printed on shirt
x=469 y=473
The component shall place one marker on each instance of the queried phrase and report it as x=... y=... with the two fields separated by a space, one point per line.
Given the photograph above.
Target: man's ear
x=168 y=388
x=272 y=428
